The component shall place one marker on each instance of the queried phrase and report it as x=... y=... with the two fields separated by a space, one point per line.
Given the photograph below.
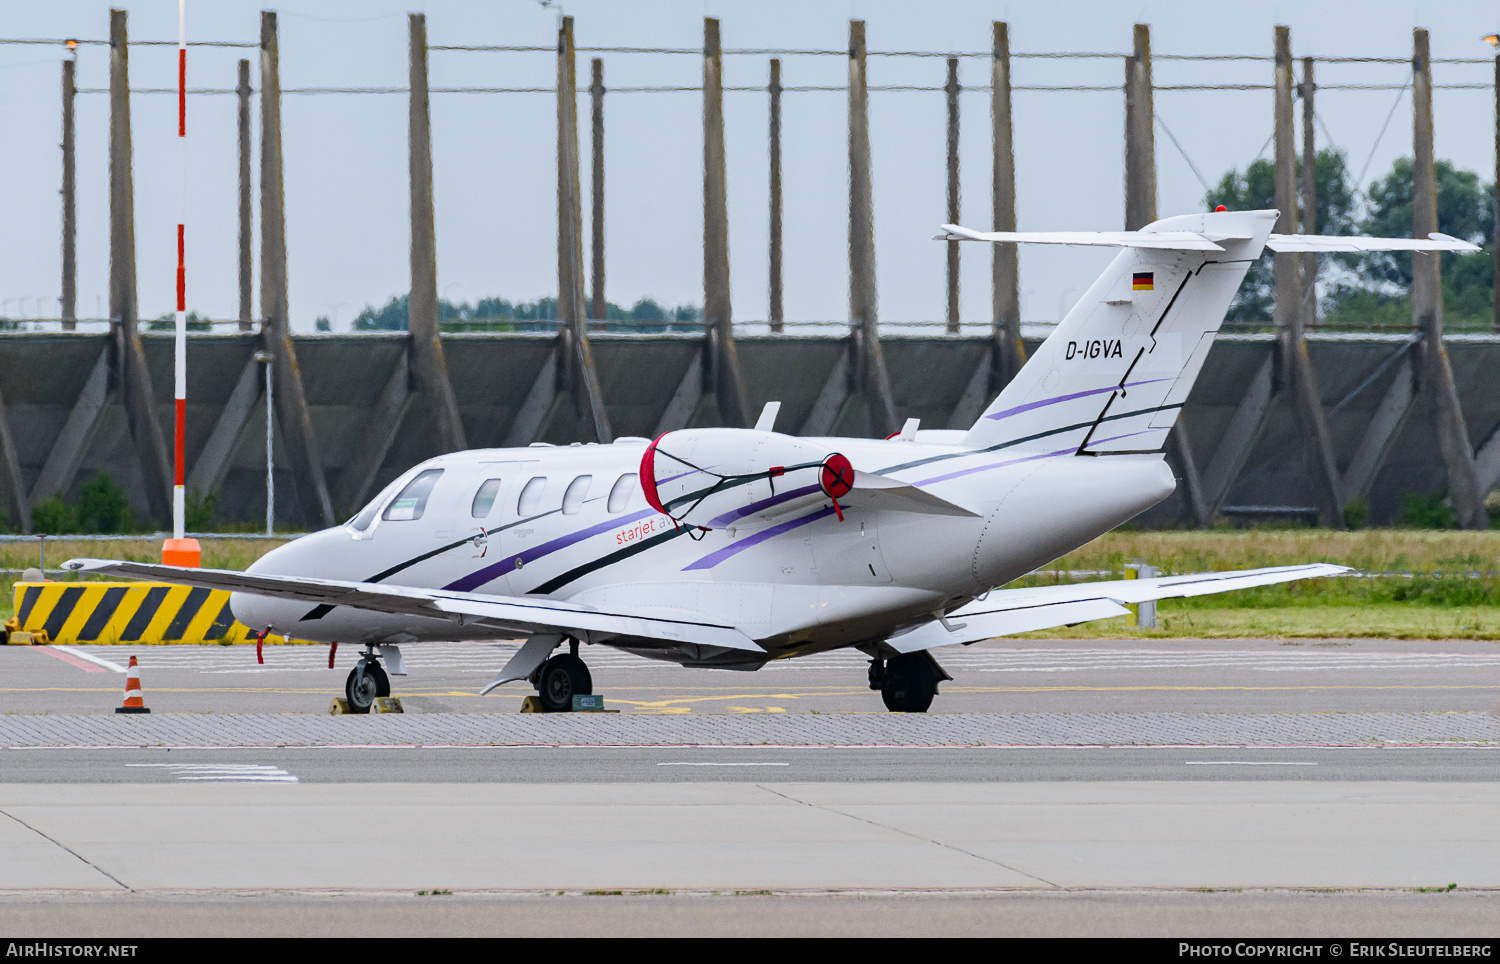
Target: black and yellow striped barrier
x=130 y=612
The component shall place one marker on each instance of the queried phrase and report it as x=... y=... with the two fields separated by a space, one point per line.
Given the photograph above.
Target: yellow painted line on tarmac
x=740 y=694
x=181 y=689
x=1252 y=689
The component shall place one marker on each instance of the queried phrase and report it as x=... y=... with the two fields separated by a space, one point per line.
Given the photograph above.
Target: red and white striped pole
x=180 y=550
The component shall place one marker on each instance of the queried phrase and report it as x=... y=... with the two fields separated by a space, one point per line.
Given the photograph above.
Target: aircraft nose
x=300 y=557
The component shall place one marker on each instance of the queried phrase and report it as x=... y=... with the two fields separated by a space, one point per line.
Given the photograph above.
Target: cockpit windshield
x=361 y=522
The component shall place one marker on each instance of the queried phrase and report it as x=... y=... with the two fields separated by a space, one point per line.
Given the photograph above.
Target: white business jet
x=724 y=547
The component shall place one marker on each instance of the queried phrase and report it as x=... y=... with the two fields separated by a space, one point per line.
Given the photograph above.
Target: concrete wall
x=41 y=375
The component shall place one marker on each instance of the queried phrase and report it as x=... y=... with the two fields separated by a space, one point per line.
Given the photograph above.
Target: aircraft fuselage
x=818 y=578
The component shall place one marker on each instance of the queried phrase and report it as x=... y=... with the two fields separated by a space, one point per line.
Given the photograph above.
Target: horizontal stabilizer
x=1007 y=611
x=522 y=615
x=1327 y=242
x=1170 y=240
x=1207 y=241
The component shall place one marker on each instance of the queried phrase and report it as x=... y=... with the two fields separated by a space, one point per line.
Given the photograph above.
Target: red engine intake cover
x=837 y=477
x=648 y=475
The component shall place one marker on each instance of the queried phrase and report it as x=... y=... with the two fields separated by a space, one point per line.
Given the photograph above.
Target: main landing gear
x=367 y=681
x=561 y=678
x=908 y=682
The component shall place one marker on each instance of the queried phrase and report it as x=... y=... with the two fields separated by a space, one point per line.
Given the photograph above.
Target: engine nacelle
x=716 y=478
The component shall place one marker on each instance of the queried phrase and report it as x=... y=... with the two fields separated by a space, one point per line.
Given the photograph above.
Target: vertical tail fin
x=1114 y=374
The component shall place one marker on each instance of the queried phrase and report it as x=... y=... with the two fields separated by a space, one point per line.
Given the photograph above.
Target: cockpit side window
x=412 y=501
x=624 y=488
x=484 y=499
x=531 y=497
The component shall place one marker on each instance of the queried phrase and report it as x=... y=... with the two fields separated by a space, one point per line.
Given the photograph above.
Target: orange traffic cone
x=134 y=702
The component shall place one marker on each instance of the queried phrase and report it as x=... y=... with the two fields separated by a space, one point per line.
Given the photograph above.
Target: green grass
x=1438 y=603
x=1198 y=621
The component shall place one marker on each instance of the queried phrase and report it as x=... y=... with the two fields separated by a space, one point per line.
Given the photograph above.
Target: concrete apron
x=728 y=836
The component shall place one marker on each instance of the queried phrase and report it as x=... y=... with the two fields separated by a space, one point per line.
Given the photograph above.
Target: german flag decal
x=1141 y=281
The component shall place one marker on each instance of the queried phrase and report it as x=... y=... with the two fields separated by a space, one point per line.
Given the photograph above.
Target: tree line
x=1373 y=287
x=502 y=314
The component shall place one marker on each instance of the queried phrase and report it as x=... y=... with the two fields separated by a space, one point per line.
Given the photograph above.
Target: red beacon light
x=1220 y=208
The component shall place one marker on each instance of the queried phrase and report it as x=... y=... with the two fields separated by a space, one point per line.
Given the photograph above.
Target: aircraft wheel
x=361 y=693
x=562 y=678
x=910 y=683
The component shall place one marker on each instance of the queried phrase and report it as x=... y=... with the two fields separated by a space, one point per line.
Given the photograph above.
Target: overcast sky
x=346 y=161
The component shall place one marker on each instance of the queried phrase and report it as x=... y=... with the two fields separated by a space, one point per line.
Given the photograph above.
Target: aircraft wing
x=522 y=615
x=1007 y=611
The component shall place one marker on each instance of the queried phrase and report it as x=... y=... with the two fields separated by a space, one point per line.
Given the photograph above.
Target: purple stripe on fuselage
x=994 y=465
x=495 y=570
x=1116 y=438
x=753 y=507
x=1028 y=458
x=719 y=555
x=674 y=478
x=1042 y=403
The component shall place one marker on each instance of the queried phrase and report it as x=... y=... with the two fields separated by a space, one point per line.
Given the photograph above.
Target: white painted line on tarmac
x=234 y=772
x=684 y=763
x=90 y=657
x=1250 y=763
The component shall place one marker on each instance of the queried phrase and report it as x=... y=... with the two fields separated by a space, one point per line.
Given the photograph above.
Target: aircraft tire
x=910 y=684
x=562 y=678
x=376 y=683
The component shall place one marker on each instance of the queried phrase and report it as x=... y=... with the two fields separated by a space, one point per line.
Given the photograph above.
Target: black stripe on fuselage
x=619 y=555
x=1029 y=438
x=323 y=609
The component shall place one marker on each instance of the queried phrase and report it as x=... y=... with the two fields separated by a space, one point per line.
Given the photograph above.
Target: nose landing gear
x=367 y=681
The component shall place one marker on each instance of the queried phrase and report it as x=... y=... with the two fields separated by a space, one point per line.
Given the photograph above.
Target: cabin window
x=578 y=489
x=412 y=500
x=619 y=496
x=531 y=497
x=484 y=499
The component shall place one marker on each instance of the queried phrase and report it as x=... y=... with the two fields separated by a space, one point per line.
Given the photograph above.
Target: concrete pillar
x=1140 y=134
x=950 y=92
x=1309 y=195
x=427 y=362
x=596 y=247
x=776 y=314
x=869 y=369
x=1288 y=286
x=1464 y=491
x=69 y=202
x=1296 y=366
x=247 y=297
x=724 y=369
x=1005 y=273
x=576 y=357
x=301 y=451
x=121 y=184
x=132 y=377
x=13 y=499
